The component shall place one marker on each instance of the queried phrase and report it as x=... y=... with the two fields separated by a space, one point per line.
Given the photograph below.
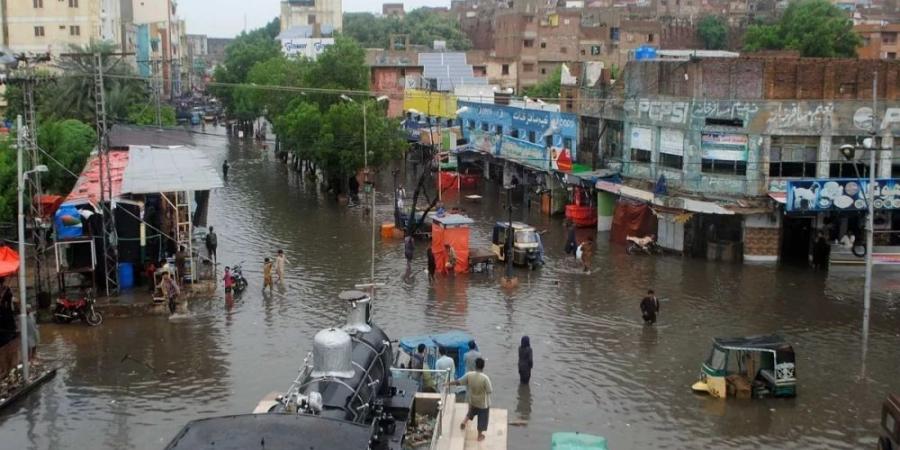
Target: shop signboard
x=839 y=194
x=724 y=146
x=642 y=138
x=671 y=142
x=524 y=152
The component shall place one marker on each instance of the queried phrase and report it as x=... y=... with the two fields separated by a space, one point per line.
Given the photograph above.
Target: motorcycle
x=240 y=283
x=646 y=245
x=82 y=308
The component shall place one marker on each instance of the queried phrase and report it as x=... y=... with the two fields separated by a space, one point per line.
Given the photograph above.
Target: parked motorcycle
x=240 y=283
x=82 y=308
x=646 y=245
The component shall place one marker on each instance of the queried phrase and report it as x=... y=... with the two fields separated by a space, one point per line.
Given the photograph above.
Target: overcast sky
x=225 y=18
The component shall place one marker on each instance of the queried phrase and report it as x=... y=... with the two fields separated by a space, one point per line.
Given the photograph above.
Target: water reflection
x=599 y=369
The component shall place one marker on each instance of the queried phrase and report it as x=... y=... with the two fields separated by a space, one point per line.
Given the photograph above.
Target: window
x=548 y=141
x=38 y=3
x=793 y=156
x=484 y=126
x=650 y=37
x=563 y=50
x=527 y=67
x=892 y=55
x=514 y=133
x=498 y=130
x=532 y=137
x=39 y=31
x=311 y=19
x=470 y=124
x=504 y=69
x=583 y=52
x=638 y=155
x=75 y=30
x=543 y=45
x=567 y=143
x=672 y=161
x=73 y=3
x=543 y=71
x=840 y=167
x=889 y=38
x=614 y=34
x=722 y=166
x=528 y=43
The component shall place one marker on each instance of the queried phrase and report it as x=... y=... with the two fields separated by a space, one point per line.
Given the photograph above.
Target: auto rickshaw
x=890 y=423
x=749 y=367
x=525 y=243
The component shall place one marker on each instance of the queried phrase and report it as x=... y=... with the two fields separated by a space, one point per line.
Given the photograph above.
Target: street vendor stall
x=452 y=230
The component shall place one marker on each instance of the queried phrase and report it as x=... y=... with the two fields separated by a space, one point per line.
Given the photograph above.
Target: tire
x=631 y=249
x=859 y=250
x=93 y=317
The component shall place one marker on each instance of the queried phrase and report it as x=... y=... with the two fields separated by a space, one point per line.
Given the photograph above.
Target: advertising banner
x=671 y=142
x=306 y=47
x=834 y=194
x=724 y=146
x=642 y=138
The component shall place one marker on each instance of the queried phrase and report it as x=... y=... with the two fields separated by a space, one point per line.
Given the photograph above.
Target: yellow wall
x=435 y=104
x=22 y=17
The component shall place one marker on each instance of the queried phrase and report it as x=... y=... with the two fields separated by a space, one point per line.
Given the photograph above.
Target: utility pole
x=23 y=303
x=157 y=85
x=870 y=223
x=110 y=235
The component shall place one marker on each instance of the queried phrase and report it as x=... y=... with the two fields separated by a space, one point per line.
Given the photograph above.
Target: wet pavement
x=597 y=368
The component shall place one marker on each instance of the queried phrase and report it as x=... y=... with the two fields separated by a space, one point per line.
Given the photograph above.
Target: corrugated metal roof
x=152 y=170
x=124 y=136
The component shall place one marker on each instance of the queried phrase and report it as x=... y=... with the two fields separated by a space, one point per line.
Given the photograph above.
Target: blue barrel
x=67 y=222
x=126 y=275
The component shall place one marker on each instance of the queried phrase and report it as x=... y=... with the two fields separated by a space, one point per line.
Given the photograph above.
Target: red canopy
x=9 y=261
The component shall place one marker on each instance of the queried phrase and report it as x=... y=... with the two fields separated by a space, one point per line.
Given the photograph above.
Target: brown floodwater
x=597 y=369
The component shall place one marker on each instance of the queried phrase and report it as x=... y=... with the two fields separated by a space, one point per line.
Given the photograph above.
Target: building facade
x=40 y=26
x=879 y=41
x=326 y=14
x=161 y=44
x=718 y=146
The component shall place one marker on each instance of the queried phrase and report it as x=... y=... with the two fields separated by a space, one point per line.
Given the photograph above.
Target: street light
x=23 y=303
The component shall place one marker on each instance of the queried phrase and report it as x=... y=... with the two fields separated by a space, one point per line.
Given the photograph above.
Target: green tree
x=69 y=142
x=713 y=31
x=299 y=129
x=422 y=25
x=73 y=96
x=146 y=115
x=549 y=88
x=815 y=28
x=8 y=194
x=247 y=50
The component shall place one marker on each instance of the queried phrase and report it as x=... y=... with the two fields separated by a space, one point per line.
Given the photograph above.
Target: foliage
x=422 y=25
x=69 y=142
x=548 y=89
x=341 y=66
x=300 y=125
x=247 y=50
x=8 y=192
x=146 y=115
x=713 y=31
x=815 y=28
x=72 y=96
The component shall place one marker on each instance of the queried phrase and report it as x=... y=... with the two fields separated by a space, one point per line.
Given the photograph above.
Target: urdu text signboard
x=724 y=146
x=839 y=194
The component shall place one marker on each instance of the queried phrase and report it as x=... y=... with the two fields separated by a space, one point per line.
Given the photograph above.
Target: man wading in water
x=650 y=308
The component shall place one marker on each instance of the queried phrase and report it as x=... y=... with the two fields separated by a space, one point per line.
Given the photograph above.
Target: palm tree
x=74 y=92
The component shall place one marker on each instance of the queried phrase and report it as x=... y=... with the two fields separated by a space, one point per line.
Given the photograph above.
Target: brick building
x=879 y=41
x=733 y=137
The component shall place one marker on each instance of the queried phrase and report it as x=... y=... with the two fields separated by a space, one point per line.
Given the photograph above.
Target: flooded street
x=597 y=368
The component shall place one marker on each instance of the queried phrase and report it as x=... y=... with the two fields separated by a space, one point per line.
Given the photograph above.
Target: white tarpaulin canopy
x=151 y=170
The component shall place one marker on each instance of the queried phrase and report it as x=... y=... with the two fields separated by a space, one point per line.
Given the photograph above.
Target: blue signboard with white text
x=541 y=139
x=841 y=194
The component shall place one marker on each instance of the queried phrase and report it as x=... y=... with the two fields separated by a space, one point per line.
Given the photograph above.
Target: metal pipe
x=23 y=303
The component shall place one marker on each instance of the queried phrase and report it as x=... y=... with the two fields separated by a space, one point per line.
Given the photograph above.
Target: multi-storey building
x=327 y=14
x=54 y=25
x=161 y=43
x=879 y=41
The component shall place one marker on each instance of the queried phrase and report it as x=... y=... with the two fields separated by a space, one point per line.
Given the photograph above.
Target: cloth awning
x=9 y=261
x=152 y=170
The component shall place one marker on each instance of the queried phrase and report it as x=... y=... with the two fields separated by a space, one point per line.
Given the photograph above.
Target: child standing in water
x=267 y=274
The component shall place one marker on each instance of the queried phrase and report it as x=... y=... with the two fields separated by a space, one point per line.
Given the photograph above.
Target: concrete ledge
x=761 y=258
